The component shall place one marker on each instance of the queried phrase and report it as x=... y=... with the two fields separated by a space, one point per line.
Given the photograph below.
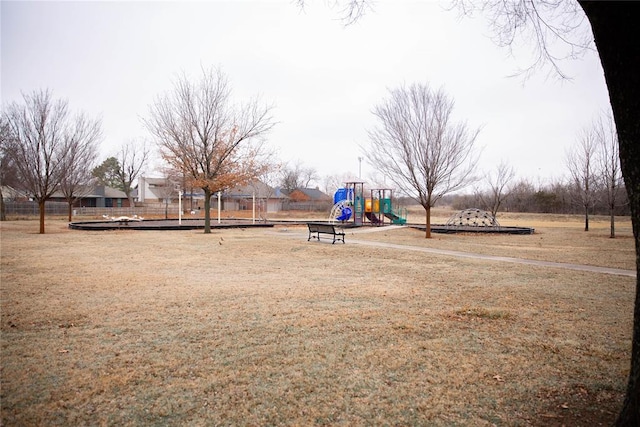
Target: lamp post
x=219 y=197
x=180 y=193
x=360 y=158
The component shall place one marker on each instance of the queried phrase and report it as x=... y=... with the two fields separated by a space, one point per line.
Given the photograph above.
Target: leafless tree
x=200 y=132
x=171 y=185
x=609 y=164
x=132 y=158
x=554 y=29
x=499 y=187
x=331 y=183
x=349 y=11
x=78 y=162
x=8 y=171
x=419 y=147
x=41 y=133
x=297 y=176
x=269 y=178
x=582 y=164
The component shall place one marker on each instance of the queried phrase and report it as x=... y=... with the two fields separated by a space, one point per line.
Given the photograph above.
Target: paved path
x=495 y=258
x=470 y=255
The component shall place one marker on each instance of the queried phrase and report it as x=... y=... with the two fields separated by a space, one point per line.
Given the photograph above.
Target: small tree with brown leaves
x=199 y=131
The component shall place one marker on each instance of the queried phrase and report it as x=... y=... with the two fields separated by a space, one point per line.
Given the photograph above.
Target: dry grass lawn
x=261 y=327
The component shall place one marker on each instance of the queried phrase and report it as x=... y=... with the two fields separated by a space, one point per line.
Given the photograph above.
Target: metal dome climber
x=472 y=218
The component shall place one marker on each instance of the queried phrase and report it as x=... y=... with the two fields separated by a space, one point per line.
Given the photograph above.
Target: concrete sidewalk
x=459 y=254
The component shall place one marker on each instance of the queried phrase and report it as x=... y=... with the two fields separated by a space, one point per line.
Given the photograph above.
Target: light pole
x=360 y=158
x=180 y=193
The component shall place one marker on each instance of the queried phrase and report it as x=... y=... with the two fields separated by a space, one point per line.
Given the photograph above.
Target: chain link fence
x=29 y=209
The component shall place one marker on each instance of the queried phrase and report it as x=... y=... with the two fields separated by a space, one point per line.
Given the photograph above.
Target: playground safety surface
x=195 y=224
x=164 y=224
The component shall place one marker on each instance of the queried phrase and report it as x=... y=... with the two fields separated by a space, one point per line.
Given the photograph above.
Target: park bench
x=322 y=228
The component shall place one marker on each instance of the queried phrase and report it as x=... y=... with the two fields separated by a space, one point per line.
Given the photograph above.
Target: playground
x=351 y=208
x=260 y=326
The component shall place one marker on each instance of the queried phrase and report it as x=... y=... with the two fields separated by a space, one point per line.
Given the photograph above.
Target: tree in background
x=297 y=176
x=581 y=161
x=41 y=133
x=499 y=188
x=269 y=177
x=8 y=170
x=609 y=160
x=199 y=131
x=122 y=170
x=108 y=173
x=82 y=150
x=419 y=147
x=132 y=158
x=171 y=185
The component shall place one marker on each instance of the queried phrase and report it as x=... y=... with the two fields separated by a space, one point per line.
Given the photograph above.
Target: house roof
x=114 y=193
x=313 y=193
x=261 y=190
x=9 y=192
x=95 y=192
x=158 y=182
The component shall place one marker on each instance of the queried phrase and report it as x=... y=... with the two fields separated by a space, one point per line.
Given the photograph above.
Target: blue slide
x=345 y=214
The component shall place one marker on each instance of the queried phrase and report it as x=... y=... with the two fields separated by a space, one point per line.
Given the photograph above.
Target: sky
x=322 y=77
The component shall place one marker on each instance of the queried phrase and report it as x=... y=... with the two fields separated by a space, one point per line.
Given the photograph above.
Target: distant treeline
x=555 y=198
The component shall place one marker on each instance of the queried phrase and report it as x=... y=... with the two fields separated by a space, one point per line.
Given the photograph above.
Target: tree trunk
x=613 y=221
x=3 y=209
x=207 y=211
x=41 y=209
x=428 y=222
x=586 y=218
x=617 y=37
x=70 y=210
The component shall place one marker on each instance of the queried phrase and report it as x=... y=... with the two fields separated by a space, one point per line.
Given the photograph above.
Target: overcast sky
x=110 y=59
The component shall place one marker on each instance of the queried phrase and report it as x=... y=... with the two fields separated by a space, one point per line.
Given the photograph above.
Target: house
x=156 y=190
x=267 y=199
x=309 y=199
x=99 y=196
x=10 y=193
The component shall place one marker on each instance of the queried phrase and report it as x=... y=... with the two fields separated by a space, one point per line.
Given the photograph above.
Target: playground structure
x=473 y=217
x=351 y=205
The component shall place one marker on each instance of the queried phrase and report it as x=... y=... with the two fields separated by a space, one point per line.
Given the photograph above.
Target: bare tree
x=200 y=132
x=82 y=150
x=269 y=179
x=419 y=147
x=331 y=183
x=169 y=188
x=582 y=164
x=609 y=163
x=41 y=132
x=8 y=171
x=297 y=176
x=554 y=29
x=498 y=188
x=132 y=158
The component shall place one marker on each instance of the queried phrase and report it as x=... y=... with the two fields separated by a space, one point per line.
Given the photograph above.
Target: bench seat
x=318 y=228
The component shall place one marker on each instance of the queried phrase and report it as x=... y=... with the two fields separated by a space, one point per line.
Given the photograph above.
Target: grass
x=261 y=327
